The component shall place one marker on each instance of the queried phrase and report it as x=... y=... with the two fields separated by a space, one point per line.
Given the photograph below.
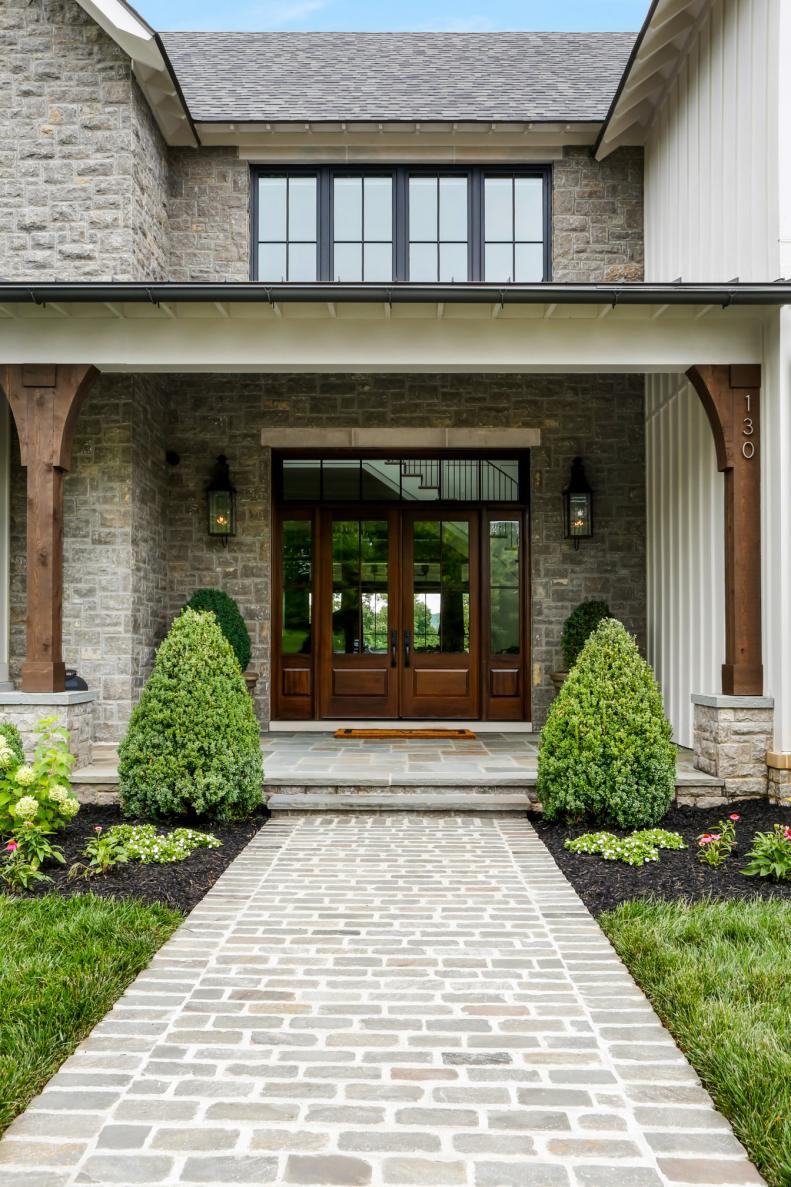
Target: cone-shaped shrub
x=193 y=746
x=229 y=616
x=606 y=754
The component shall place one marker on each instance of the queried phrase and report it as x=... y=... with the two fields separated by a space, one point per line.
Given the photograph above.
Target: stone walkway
x=380 y=1000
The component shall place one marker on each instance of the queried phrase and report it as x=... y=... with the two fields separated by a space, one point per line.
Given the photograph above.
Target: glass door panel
x=441 y=612
x=359 y=648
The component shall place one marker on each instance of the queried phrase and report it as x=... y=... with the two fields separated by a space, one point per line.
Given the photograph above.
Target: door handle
x=407 y=640
x=394 y=649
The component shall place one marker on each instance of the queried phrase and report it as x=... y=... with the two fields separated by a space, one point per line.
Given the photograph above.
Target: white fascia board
x=138 y=40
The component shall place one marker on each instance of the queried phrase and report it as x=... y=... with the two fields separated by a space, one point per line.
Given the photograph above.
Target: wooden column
x=732 y=399
x=45 y=402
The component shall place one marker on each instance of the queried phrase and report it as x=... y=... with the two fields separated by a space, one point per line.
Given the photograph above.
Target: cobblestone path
x=380 y=1000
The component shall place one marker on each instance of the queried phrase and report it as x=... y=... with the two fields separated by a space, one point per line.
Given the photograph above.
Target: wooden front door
x=399 y=614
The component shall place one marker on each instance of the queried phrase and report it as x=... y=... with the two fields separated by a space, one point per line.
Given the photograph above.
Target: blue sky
x=460 y=15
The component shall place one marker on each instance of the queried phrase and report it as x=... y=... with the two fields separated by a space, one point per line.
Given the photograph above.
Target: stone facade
x=81 y=161
x=779 y=786
x=597 y=216
x=732 y=736
x=135 y=534
x=209 y=215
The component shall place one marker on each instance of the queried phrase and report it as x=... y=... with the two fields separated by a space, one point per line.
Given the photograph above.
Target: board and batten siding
x=713 y=154
x=685 y=549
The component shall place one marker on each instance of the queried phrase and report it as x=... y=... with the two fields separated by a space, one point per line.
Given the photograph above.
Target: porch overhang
x=359 y=328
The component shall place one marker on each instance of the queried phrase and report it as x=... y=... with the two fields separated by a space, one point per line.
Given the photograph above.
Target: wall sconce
x=222 y=501
x=578 y=505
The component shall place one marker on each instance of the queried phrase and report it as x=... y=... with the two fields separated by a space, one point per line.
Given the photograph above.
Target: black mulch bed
x=179 y=884
x=603 y=885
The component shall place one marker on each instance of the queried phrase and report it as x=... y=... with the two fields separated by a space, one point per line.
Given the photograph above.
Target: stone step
x=285 y=804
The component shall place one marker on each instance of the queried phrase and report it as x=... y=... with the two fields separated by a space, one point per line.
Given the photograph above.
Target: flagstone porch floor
x=493 y=772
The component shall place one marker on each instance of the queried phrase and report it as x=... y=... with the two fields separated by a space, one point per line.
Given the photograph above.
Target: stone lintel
x=720 y=701
x=401 y=438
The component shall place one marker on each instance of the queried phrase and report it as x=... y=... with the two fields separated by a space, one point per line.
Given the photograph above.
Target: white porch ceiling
x=316 y=336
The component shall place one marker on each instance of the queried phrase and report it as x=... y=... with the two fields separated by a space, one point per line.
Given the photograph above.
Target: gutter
x=633 y=293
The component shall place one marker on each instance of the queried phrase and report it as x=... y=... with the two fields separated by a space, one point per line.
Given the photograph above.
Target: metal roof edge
x=774 y=293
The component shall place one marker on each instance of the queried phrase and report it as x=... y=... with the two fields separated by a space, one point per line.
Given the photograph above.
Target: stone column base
x=779 y=771
x=72 y=709
x=731 y=738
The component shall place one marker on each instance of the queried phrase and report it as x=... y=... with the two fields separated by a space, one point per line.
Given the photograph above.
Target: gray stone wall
x=135 y=529
x=597 y=217
x=81 y=162
x=209 y=215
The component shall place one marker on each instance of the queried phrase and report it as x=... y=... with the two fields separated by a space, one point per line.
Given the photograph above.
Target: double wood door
x=402 y=612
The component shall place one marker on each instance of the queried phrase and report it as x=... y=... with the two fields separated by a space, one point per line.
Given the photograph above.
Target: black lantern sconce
x=578 y=505
x=222 y=501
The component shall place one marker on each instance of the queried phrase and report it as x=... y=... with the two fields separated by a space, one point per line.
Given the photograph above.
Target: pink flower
x=704 y=840
x=787 y=833
x=734 y=817
x=12 y=846
x=715 y=836
x=97 y=828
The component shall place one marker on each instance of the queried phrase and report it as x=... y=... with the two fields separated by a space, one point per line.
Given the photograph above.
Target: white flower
x=59 y=793
x=25 y=775
x=69 y=807
x=26 y=808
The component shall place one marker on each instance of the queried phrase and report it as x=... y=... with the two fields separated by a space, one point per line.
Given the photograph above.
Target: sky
x=449 y=15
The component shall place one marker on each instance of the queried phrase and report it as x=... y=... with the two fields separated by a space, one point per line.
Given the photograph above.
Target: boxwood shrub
x=193 y=748
x=229 y=617
x=606 y=754
x=578 y=626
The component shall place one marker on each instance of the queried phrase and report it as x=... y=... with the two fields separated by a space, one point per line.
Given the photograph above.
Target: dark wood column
x=732 y=399
x=45 y=402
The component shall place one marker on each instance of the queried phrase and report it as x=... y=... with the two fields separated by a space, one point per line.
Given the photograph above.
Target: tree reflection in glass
x=441 y=586
x=360 y=575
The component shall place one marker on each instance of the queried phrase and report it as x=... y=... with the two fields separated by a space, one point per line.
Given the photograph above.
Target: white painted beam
x=520 y=340
x=5 y=543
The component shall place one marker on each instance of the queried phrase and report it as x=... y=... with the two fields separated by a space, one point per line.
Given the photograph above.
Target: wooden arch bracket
x=45 y=403
x=732 y=399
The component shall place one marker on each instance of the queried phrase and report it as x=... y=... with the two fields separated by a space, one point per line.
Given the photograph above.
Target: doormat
x=439 y=734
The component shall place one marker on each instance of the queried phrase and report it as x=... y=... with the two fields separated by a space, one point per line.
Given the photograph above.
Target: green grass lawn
x=719 y=976
x=64 y=962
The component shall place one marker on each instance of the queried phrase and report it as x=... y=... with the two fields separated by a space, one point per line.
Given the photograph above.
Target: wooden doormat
x=439 y=734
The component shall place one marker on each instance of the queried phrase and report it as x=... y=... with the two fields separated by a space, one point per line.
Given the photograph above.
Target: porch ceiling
x=235 y=328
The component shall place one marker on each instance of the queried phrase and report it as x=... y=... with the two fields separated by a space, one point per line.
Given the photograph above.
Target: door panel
x=441 y=614
x=358 y=615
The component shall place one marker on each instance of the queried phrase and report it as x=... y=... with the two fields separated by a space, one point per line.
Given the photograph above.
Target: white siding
x=712 y=197
x=776 y=522
x=686 y=611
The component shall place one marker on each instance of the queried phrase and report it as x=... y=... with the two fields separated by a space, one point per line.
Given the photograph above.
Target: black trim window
x=399 y=224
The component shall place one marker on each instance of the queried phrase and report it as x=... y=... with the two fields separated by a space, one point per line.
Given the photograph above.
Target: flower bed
x=603 y=885
x=180 y=884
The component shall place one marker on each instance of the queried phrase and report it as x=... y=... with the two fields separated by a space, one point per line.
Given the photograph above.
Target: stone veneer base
x=731 y=738
x=72 y=709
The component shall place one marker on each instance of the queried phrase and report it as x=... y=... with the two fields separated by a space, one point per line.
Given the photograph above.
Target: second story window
x=380 y=225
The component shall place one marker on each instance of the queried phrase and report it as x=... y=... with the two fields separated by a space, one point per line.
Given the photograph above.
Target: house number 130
x=748 y=447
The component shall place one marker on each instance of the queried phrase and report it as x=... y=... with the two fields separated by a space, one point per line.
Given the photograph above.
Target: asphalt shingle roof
x=398 y=76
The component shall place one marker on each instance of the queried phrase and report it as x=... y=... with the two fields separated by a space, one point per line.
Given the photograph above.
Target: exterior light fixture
x=578 y=505
x=222 y=501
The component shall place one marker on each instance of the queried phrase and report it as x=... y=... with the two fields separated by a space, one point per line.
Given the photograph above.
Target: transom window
x=402 y=224
x=400 y=480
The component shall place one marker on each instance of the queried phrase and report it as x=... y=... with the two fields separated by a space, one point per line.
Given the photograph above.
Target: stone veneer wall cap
x=719 y=701
x=780 y=760
x=48 y=698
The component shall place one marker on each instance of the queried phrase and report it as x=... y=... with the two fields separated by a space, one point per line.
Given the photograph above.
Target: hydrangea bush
x=37 y=793
x=606 y=754
x=193 y=747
